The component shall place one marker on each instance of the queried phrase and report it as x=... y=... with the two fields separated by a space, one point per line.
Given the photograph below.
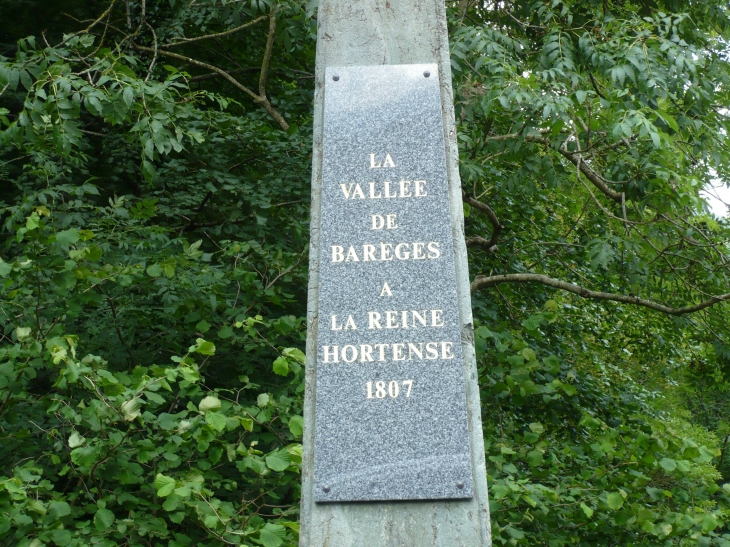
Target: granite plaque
x=391 y=416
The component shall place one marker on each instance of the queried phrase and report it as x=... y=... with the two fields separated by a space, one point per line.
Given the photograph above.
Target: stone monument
x=393 y=448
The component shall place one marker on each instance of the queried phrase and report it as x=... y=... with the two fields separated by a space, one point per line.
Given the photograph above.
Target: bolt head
x=426 y=74
x=335 y=78
x=460 y=485
x=326 y=489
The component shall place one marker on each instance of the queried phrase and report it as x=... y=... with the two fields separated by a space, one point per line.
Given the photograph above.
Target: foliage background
x=154 y=181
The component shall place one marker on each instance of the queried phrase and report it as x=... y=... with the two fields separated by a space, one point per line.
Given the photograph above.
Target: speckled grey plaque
x=391 y=418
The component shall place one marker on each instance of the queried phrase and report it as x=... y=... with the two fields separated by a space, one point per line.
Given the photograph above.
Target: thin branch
x=257 y=99
x=575 y=158
x=298 y=74
x=491 y=244
x=154 y=58
x=267 y=52
x=481 y=282
x=207 y=36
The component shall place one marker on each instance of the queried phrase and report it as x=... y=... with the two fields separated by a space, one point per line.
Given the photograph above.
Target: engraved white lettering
x=374 y=320
x=433 y=250
x=417 y=349
x=405 y=254
x=351 y=255
x=352 y=356
x=432 y=351
x=386 y=290
x=390 y=320
x=388 y=162
x=335 y=326
x=378 y=190
x=418 y=251
x=331 y=354
x=368 y=252
x=398 y=352
x=386 y=184
x=421 y=318
x=446 y=350
x=372 y=192
x=366 y=353
x=408 y=319
x=404 y=189
x=393 y=391
x=387 y=251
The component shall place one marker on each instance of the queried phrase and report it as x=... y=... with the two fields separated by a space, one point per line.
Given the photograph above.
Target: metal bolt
x=427 y=74
x=326 y=489
x=460 y=485
x=335 y=78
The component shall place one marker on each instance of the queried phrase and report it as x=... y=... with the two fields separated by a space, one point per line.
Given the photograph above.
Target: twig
x=481 y=282
x=207 y=36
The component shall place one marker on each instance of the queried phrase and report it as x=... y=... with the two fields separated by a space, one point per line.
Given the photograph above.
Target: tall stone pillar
x=359 y=33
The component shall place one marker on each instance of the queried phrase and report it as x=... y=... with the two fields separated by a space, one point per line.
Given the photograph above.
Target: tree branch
x=298 y=74
x=481 y=282
x=267 y=52
x=263 y=101
x=576 y=158
x=207 y=36
x=491 y=244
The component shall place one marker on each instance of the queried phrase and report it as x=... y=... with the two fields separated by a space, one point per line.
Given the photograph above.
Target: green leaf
x=225 y=332
x=615 y=500
x=131 y=409
x=534 y=458
x=278 y=461
x=209 y=403
x=296 y=426
x=165 y=485
x=203 y=347
x=668 y=464
x=84 y=456
x=103 y=519
x=709 y=523
x=75 y=440
x=65 y=279
x=5 y=268
x=155 y=270
x=295 y=354
x=281 y=366
x=58 y=509
x=22 y=333
x=68 y=237
x=32 y=222
x=272 y=535
x=587 y=510
x=61 y=537
x=216 y=420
